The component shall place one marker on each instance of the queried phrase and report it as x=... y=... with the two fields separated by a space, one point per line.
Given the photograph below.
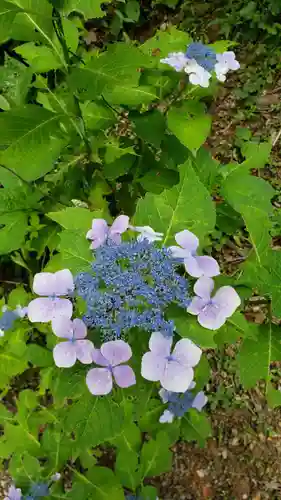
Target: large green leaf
x=195 y=427
x=14 y=227
x=165 y=42
x=8 y=13
x=187 y=205
x=190 y=124
x=40 y=57
x=130 y=95
x=156 y=457
x=74 y=218
x=17 y=199
x=254 y=358
x=89 y=8
x=75 y=251
x=97 y=116
x=31 y=140
x=109 y=70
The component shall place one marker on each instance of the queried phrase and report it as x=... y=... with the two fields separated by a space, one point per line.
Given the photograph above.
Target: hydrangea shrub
x=111 y=206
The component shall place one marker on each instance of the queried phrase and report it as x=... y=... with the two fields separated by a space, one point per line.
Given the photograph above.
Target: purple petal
x=199 y=401
x=64 y=354
x=62 y=327
x=47 y=309
x=44 y=283
x=79 y=329
x=99 y=381
x=192 y=267
x=116 y=237
x=186 y=239
x=84 y=350
x=152 y=366
x=208 y=265
x=124 y=376
x=179 y=253
x=186 y=353
x=159 y=344
x=176 y=377
x=116 y=352
x=120 y=225
x=14 y=493
x=167 y=417
x=64 y=283
x=227 y=299
x=196 y=305
x=204 y=287
x=98 y=233
x=98 y=358
x=212 y=317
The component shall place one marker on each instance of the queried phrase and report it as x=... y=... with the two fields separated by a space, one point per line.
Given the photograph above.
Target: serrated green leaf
x=39 y=356
x=156 y=180
x=127 y=469
x=14 y=227
x=107 y=71
x=156 y=457
x=187 y=205
x=254 y=358
x=118 y=167
x=195 y=427
x=206 y=168
x=113 y=151
x=273 y=397
x=130 y=95
x=257 y=155
x=15 y=79
x=18 y=296
x=190 y=124
x=17 y=199
x=242 y=190
x=31 y=140
x=40 y=57
x=74 y=218
x=75 y=250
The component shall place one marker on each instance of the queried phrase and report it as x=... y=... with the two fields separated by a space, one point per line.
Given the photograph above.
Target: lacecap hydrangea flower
x=199 y=61
x=131 y=285
x=76 y=346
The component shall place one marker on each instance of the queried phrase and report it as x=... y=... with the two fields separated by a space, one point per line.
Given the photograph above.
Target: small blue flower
x=7 y=320
x=202 y=54
x=179 y=404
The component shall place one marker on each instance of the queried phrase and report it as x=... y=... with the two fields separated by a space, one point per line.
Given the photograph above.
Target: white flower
x=147 y=233
x=2 y=333
x=225 y=62
x=197 y=74
x=167 y=417
x=176 y=60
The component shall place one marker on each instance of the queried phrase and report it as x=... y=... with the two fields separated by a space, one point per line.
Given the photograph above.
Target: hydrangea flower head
x=173 y=370
x=14 y=493
x=212 y=312
x=51 y=286
x=203 y=55
x=225 y=62
x=197 y=74
x=179 y=404
x=100 y=231
x=110 y=356
x=76 y=347
x=195 y=265
x=130 y=286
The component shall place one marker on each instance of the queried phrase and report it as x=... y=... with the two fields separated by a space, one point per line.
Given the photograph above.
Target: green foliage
x=92 y=133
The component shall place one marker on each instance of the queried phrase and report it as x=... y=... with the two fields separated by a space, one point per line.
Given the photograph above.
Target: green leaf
x=195 y=427
x=18 y=296
x=17 y=199
x=107 y=71
x=115 y=151
x=75 y=250
x=156 y=457
x=254 y=358
x=132 y=10
x=8 y=13
x=119 y=167
x=150 y=126
x=89 y=8
x=149 y=493
x=40 y=57
x=71 y=34
x=97 y=116
x=39 y=356
x=127 y=469
x=31 y=140
x=94 y=420
x=273 y=397
x=187 y=205
x=155 y=180
x=257 y=155
x=130 y=95
x=74 y=218
x=15 y=79
x=190 y=124
x=164 y=42
x=4 y=104
x=206 y=168
x=13 y=228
